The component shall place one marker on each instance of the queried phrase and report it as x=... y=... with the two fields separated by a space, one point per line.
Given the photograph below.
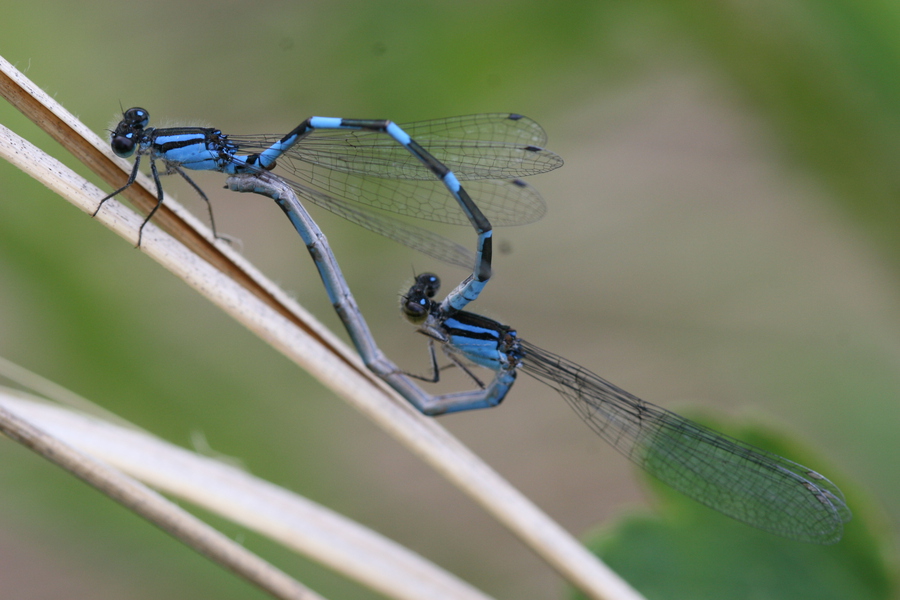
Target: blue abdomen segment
x=479 y=339
x=200 y=150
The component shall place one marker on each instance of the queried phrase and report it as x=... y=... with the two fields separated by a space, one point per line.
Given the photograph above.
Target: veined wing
x=739 y=480
x=504 y=203
x=485 y=146
x=407 y=234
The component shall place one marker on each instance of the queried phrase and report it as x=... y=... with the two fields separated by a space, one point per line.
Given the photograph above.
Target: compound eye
x=122 y=145
x=137 y=117
x=429 y=283
x=416 y=308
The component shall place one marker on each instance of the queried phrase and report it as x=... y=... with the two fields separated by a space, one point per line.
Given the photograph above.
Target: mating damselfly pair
x=467 y=170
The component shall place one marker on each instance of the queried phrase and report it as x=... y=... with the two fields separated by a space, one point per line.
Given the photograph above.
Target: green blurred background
x=723 y=235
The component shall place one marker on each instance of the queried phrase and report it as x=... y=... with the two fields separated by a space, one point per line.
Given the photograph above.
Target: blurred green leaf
x=818 y=80
x=688 y=551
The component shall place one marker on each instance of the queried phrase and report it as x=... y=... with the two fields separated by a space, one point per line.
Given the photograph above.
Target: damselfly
x=348 y=166
x=739 y=480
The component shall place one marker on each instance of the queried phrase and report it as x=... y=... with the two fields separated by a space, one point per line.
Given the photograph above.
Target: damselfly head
x=416 y=304
x=125 y=137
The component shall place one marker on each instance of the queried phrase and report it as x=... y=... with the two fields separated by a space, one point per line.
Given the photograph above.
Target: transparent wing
x=407 y=234
x=504 y=203
x=508 y=128
x=486 y=146
x=346 y=171
x=746 y=483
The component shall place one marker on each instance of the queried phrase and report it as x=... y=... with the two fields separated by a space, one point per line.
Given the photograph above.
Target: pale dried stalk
x=232 y=284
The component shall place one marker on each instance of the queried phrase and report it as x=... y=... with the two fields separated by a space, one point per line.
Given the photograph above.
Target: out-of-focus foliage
x=723 y=231
x=687 y=551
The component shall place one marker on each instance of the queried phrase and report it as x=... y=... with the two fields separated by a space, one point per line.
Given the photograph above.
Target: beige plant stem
x=232 y=284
